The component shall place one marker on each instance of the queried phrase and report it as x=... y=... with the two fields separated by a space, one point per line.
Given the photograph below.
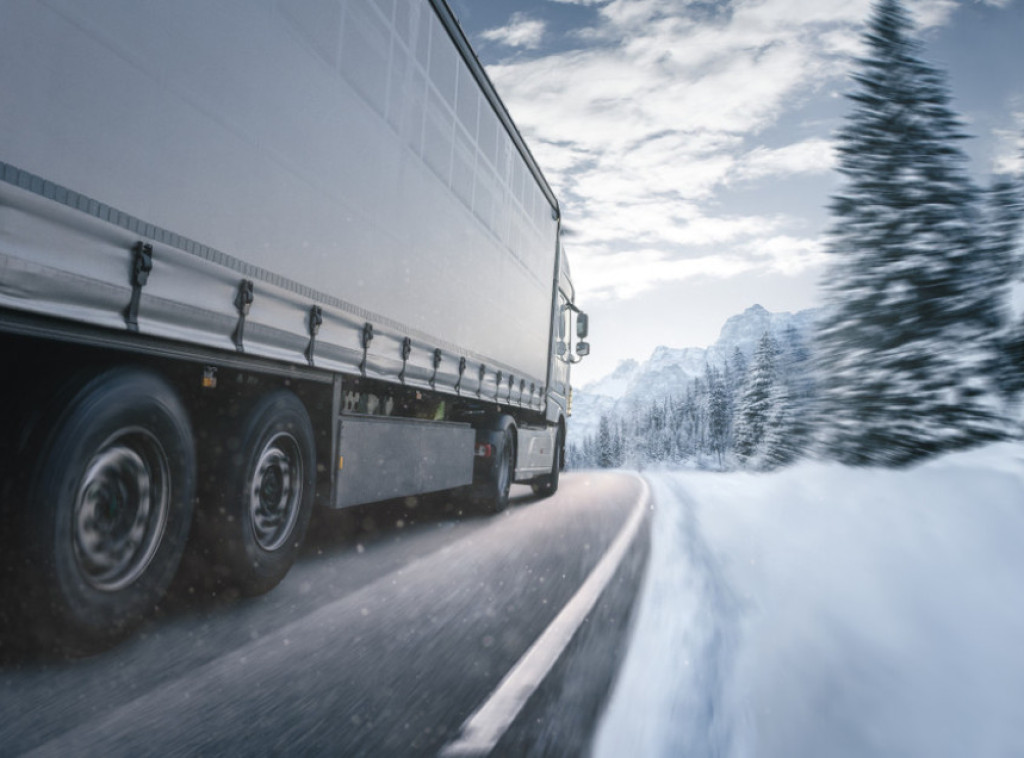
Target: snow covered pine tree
x=907 y=341
x=719 y=427
x=759 y=406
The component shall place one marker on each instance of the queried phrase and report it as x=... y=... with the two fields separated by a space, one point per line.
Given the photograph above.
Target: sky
x=690 y=143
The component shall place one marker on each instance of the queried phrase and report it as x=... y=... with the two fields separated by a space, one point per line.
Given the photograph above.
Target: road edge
x=482 y=730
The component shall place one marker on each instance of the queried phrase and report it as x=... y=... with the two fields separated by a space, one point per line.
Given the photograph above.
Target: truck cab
x=567 y=321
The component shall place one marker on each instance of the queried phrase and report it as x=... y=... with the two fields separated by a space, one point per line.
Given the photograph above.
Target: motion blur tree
x=1005 y=208
x=908 y=340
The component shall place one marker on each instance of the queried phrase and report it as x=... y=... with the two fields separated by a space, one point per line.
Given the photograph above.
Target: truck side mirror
x=583 y=349
x=582 y=326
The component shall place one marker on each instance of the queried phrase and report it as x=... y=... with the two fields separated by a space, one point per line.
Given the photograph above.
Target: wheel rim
x=121 y=510
x=275 y=496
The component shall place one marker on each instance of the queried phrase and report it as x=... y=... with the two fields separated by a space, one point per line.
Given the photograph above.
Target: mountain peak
x=616 y=384
x=669 y=370
x=625 y=367
x=746 y=329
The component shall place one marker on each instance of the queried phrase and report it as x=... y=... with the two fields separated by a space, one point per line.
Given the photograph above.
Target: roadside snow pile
x=826 y=610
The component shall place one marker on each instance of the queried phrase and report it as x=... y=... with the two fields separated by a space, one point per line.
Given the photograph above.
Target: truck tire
x=108 y=502
x=547 y=485
x=257 y=497
x=491 y=492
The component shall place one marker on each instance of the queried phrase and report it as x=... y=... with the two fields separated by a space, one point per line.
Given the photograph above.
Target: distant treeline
x=742 y=415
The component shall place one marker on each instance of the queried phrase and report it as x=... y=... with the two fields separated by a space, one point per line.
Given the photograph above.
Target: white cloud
x=1009 y=150
x=628 y=274
x=659 y=111
x=782 y=14
x=601 y=273
x=929 y=13
x=789 y=255
x=706 y=231
x=812 y=156
x=521 y=31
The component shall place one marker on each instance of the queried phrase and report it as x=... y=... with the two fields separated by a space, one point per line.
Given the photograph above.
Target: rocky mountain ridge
x=669 y=371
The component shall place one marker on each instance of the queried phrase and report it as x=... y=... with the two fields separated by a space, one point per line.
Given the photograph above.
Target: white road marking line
x=485 y=726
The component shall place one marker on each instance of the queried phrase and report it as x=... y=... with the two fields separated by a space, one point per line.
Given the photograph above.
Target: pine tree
x=797 y=376
x=738 y=368
x=779 y=446
x=905 y=344
x=574 y=459
x=686 y=423
x=619 y=439
x=718 y=414
x=606 y=457
x=1005 y=216
x=758 y=403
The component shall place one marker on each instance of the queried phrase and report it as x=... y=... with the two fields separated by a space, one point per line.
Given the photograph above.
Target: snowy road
x=830 y=611
x=817 y=611
x=384 y=647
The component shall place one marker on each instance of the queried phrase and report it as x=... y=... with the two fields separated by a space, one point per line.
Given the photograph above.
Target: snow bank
x=831 y=611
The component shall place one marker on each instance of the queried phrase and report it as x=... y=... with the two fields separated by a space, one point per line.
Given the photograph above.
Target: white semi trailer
x=257 y=254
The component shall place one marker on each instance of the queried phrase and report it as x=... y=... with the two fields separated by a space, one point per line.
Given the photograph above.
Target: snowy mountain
x=616 y=383
x=745 y=331
x=669 y=370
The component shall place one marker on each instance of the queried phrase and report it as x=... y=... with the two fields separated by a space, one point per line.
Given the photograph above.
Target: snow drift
x=827 y=610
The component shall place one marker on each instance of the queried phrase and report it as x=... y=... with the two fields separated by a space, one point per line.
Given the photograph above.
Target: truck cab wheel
x=257 y=496
x=490 y=493
x=108 y=503
x=547 y=485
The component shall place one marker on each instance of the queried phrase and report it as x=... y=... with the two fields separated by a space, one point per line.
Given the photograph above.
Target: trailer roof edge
x=458 y=36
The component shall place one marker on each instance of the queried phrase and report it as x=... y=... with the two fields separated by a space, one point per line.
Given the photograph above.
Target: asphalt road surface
x=403 y=630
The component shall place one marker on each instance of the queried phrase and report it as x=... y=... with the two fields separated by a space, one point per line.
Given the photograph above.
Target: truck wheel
x=492 y=493
x=547 y=485
x=108 y=506
x=256 y=504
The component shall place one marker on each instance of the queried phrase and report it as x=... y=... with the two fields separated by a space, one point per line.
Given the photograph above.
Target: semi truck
x=258 y=256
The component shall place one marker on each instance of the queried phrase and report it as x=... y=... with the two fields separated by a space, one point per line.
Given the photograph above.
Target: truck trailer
x=256 y=256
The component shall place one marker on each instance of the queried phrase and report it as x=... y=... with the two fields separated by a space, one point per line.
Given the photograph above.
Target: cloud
x=788 y=255
x=605 y=274
x=623 y=275
x=661 y=108
x=812 y=156
x=1009 y=146
x=930 y=13
x=521 y=31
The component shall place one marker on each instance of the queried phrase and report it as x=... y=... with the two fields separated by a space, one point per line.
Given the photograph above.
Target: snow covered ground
x=830 y=611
